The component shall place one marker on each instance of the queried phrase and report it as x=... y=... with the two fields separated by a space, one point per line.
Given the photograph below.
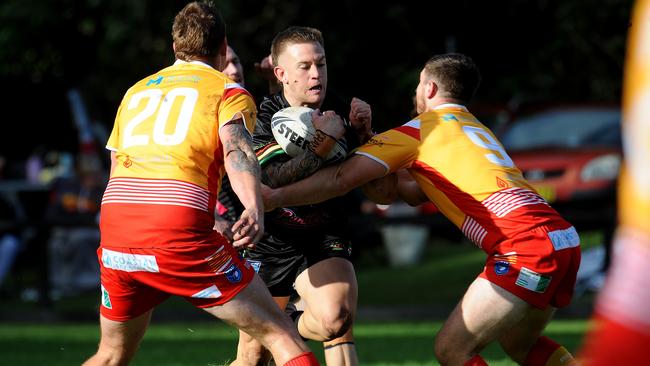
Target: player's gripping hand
x=248 y=230
x=329 y=123
x=222 y=226
x=361 y=119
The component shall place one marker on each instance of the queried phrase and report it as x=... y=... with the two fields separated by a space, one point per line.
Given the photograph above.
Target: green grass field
x=190 y=337
x=394 y=343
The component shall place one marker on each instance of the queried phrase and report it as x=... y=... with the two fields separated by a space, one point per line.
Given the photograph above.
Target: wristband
x=321 y=144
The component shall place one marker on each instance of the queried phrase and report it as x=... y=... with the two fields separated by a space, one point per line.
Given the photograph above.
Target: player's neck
x=210 y=61
x=437 y=102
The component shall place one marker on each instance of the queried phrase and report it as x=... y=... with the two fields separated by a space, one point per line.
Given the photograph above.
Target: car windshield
x=565 y=128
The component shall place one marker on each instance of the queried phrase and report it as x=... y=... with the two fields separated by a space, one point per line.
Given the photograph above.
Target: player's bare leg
x=253 y=311
x=328 y=291
x=520 y=338
x=119 y=340
x=250 y=352
x=484 y=314
x=341 y=351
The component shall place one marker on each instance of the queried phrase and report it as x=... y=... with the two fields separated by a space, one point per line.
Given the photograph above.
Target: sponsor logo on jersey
x=174 y=79
x=233 y=274
x=182 y=79
x=532 y=280
x=287 y=215
x=510 y=257
x=449 y=117
x=128 y=262
x=219 y=260
x=501 y=183
x=338 y=246
x=106 y=298
x=378 y=140
x=155 y=81
x=335 y=246
x=211 y=292
x=563 y=239
x=255 y=264
x=501 y=267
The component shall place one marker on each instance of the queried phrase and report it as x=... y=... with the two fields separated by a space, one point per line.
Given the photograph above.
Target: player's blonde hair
x=294 y=35
x=198 y=30
x=457 y=75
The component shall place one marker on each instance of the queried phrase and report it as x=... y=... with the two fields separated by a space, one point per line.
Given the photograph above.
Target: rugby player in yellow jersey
x=532 y=253
x=622 y=317
x=175 y=134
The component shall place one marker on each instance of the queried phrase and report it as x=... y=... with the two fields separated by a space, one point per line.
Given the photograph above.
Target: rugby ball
x=293 y=130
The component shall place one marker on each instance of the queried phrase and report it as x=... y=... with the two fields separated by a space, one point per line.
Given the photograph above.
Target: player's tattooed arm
x=238 y=150
x=244 y=173
x=280 y=173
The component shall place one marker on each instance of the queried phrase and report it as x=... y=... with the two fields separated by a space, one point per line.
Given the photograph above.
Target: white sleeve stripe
x=372 y=157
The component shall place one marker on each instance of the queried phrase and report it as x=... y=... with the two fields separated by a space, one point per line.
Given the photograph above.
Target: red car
x=571 y=155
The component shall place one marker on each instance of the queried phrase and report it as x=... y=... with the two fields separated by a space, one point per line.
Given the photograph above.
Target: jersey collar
x=180 y=62
x=451 y=105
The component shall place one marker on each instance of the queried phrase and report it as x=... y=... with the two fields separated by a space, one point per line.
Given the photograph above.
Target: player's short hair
x=294 y=35
x=198 y=30
x=457 y=75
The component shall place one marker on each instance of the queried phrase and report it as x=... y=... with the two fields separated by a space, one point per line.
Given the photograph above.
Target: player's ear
x=430 y=89
x=280 y=74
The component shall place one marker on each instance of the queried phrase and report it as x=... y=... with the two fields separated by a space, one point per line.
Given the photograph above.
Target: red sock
x=477 y=360
x=546 y=352
x=541 y=351
x=303 y=359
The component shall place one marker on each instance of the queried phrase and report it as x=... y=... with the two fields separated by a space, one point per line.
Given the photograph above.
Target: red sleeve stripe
x=232 y=90
x=408 y=130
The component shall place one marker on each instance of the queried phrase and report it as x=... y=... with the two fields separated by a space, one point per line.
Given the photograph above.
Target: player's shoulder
x=269 y=106
x=274 y=102
x=185 y=73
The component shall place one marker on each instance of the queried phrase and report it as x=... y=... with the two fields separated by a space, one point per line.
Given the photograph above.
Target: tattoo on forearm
x=319 y=137
x=239 y=152
x=282 y=173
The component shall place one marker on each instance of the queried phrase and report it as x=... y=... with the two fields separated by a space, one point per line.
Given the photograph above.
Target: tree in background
x=552 y=50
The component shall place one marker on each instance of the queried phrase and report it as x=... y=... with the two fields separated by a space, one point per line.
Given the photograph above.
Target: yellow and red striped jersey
x=634 y=184
x=169 y=155
x=465 y=171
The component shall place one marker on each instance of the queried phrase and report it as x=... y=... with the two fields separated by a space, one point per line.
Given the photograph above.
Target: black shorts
x=279 y=263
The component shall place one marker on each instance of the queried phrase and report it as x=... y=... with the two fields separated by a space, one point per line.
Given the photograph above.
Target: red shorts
x=539 y=266
x=136 y=280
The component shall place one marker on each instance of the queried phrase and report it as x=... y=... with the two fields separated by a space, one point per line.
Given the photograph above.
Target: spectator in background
x=234 y=69
x=621 y=333
x=74 y=237
x=11 y=220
